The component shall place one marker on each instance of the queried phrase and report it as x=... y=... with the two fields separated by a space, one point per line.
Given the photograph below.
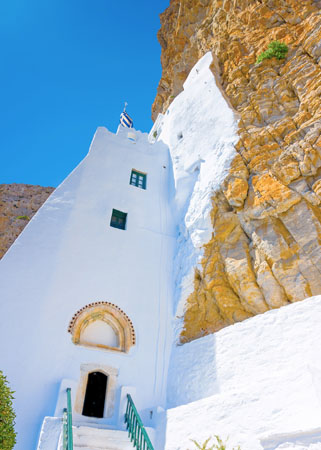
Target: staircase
x=89 y=438
x=92 y=438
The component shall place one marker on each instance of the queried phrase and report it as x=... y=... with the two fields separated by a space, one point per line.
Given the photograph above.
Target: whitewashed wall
x=249 y=381
x=69 y=256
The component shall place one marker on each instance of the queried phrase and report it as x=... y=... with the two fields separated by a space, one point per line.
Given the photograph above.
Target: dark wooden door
x=95 y=395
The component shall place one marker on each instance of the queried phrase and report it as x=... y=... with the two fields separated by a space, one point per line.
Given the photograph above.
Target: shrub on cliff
x=7 y=416
x=23 y=217
x=276 y=49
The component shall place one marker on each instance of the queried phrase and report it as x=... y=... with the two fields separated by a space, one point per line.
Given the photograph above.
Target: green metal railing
x=136 y=430
x=67 y=424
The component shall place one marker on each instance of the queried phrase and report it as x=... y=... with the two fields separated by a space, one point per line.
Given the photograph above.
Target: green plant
x=23 y=217
x=276 y=49
x=204 y=445
x=7 y=415
x=218 y=445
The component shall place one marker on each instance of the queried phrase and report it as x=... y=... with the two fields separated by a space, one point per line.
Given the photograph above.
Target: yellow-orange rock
x=266 y=245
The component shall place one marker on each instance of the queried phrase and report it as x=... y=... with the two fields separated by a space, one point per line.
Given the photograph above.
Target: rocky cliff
x=265 y=250
x=18 y=203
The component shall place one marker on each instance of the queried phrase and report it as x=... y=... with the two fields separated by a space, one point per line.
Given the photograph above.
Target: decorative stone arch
x=110 y=315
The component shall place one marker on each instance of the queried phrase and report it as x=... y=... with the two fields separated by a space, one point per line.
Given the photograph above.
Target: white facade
x=70 y=256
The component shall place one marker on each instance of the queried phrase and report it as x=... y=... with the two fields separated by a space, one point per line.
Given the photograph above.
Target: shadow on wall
x=192 y=373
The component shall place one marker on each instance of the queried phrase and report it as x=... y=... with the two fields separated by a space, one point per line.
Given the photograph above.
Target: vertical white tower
x=86 y=288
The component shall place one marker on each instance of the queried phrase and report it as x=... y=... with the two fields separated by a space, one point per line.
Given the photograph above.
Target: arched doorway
x=95 y=395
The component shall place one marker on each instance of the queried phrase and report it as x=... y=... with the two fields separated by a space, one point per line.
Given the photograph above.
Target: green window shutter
x=118 y=219
x=138 y=179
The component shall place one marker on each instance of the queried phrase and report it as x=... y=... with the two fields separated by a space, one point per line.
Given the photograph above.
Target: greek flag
x=125 y=120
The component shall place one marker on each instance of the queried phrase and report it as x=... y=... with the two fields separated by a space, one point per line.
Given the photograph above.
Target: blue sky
x=67 y=67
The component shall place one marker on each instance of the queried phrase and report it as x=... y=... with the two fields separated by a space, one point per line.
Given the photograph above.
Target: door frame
x=111 y=373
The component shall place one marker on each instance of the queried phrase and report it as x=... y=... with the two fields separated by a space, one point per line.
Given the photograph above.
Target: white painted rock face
x=200 y=130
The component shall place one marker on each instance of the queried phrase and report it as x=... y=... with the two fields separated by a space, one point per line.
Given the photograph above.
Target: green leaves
x=276 y=49
x=218 y=445
x=23 y=217
x=7 y=415
x=204 y=445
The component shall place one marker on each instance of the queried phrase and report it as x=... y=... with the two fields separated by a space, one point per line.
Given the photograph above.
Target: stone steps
x=90 y=438
x=109 y=447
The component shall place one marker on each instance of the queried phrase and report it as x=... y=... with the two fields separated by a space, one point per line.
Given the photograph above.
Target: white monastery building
x=93 y=292
x=89 y=287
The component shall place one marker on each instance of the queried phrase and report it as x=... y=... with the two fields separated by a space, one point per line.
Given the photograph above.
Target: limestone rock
x=266 y=246
x=18 y=203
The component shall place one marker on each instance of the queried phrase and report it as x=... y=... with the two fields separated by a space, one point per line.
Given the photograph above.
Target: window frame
x=117 y=223
x=138 y=175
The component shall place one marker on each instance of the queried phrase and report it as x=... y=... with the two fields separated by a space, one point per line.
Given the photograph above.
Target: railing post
x=64 y=430
x=69 y=420
x=135 y=430
x=126 y=415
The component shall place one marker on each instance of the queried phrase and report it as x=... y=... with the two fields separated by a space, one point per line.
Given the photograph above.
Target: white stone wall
x=69 y=256
x=249 y=381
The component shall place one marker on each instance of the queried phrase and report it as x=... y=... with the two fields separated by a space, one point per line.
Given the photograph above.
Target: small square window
x=118 y=219
x=138 y=179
